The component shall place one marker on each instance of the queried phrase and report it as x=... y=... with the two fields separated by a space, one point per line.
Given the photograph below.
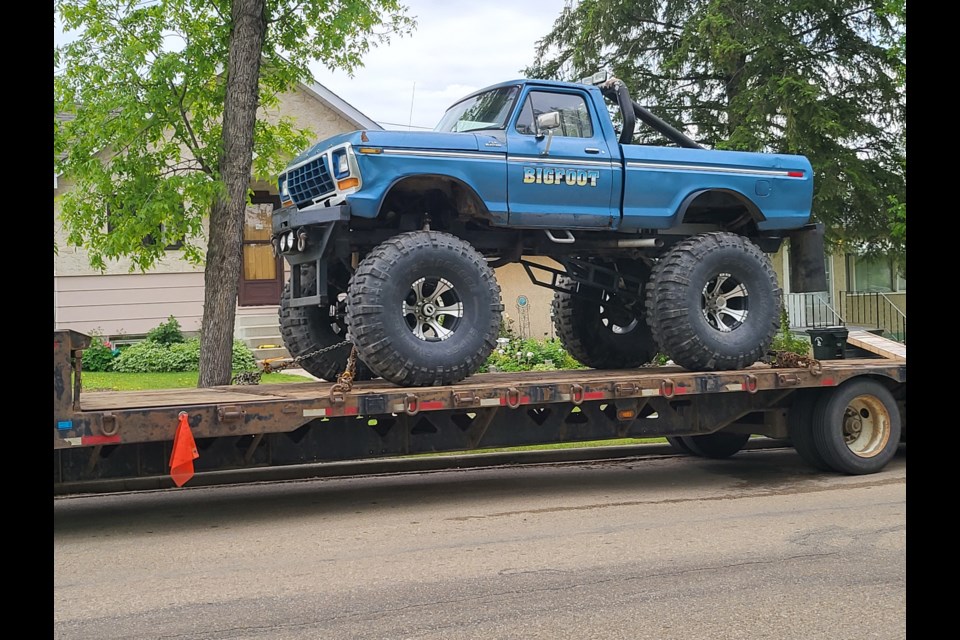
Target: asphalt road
x=757 y=546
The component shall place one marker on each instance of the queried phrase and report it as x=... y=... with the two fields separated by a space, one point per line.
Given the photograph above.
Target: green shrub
x=186 y=355
x=153 y=357
x=785 y=340
x=148 y=357
x=529 y=354
x=166 y=333
x=99 y=355
x=243 y=358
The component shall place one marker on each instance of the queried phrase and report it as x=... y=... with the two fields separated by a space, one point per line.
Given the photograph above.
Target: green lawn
x=106 y=381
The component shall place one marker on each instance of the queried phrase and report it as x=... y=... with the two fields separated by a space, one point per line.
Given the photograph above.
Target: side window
x=574 y=115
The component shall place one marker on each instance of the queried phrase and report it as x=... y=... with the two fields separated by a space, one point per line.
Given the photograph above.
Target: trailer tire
x=308 y=329
x=856 y=427
x=424 y=309
x=800 y=428
x=678 y=445
x=716 y=445
x=713 y=302
x=598 y=336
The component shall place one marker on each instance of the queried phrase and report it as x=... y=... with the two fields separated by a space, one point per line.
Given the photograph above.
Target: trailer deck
x=110 y=434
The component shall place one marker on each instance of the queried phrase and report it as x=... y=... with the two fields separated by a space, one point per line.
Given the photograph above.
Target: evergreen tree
x=822 y=78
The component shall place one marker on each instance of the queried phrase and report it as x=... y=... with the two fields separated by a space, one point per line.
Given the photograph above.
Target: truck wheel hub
x=724 y=302
x=432 y=309
x=852 y=426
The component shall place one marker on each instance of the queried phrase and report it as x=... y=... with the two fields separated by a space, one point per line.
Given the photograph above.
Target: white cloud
x=457 y=48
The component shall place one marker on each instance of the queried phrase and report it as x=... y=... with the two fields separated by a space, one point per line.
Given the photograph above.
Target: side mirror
x=547 y=122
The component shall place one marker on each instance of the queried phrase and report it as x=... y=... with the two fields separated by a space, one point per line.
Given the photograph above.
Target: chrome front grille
x=309 y=181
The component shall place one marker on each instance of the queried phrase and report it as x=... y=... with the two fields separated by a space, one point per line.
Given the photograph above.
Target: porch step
x=262 y=334
x=257 y=331
x=265 y=353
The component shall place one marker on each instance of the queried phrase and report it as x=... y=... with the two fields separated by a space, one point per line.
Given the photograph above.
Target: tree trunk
x=224 y=259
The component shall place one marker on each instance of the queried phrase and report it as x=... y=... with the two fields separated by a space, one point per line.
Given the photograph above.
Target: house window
x=150 y=238
x=173 y=246
x=874 y=275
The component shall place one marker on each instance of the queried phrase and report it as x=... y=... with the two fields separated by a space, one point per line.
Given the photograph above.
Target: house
x=866 y=293
x=122 y=305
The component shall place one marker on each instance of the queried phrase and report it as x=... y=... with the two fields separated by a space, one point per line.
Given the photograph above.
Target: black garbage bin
x=829 y=343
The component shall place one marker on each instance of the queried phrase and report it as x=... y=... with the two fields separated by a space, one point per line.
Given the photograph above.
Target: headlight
x=283 y=188
x=341 y=164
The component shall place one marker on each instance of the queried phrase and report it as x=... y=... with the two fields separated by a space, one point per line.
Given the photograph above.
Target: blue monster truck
x=392 y=238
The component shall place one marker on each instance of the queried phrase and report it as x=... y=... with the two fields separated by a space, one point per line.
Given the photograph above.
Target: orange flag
x=184 y=452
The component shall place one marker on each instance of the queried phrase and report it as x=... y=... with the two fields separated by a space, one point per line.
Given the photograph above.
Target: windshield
x=487 y=110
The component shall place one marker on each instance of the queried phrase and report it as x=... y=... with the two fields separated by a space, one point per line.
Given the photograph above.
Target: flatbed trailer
x=843 y=415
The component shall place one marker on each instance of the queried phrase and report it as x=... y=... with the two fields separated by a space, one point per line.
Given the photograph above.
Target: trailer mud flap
x=808 y=273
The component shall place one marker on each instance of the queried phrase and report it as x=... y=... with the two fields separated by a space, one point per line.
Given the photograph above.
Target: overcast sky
x=458 y=46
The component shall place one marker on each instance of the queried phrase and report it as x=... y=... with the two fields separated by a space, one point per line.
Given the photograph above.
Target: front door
x=571 y=184
x=262 y=279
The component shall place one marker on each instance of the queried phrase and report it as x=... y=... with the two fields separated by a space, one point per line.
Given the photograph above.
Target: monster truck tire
x=716 y=445
x=713 y=302
x=856 y=427
x=308 y=329
x=800 y=427
x=597 y=336
x=424 y=309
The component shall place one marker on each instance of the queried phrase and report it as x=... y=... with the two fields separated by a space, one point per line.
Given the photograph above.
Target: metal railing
x=871 y=310
x=810 y=310
x=874 y=310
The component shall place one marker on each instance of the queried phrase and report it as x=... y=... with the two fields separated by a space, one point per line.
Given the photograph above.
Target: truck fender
x=421 y=183
x=755 y=213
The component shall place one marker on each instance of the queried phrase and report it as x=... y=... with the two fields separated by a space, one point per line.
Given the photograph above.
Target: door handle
x=592 y=150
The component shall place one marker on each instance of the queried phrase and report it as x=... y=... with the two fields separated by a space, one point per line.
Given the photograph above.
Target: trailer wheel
x=308 y=329
x=800 y=427
x=424 y=309
x=856 y=427
x=716 y=445
x=679 y=445
x=597 y=330
x=713 y=302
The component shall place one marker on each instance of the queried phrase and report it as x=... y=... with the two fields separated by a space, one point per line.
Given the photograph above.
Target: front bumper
x=302 y=238
x=302 y=235
x=290 y=218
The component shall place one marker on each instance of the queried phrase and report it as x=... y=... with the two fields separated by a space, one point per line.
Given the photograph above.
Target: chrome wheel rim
x=612 y=319
x=432 y=309
x=725 y=301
